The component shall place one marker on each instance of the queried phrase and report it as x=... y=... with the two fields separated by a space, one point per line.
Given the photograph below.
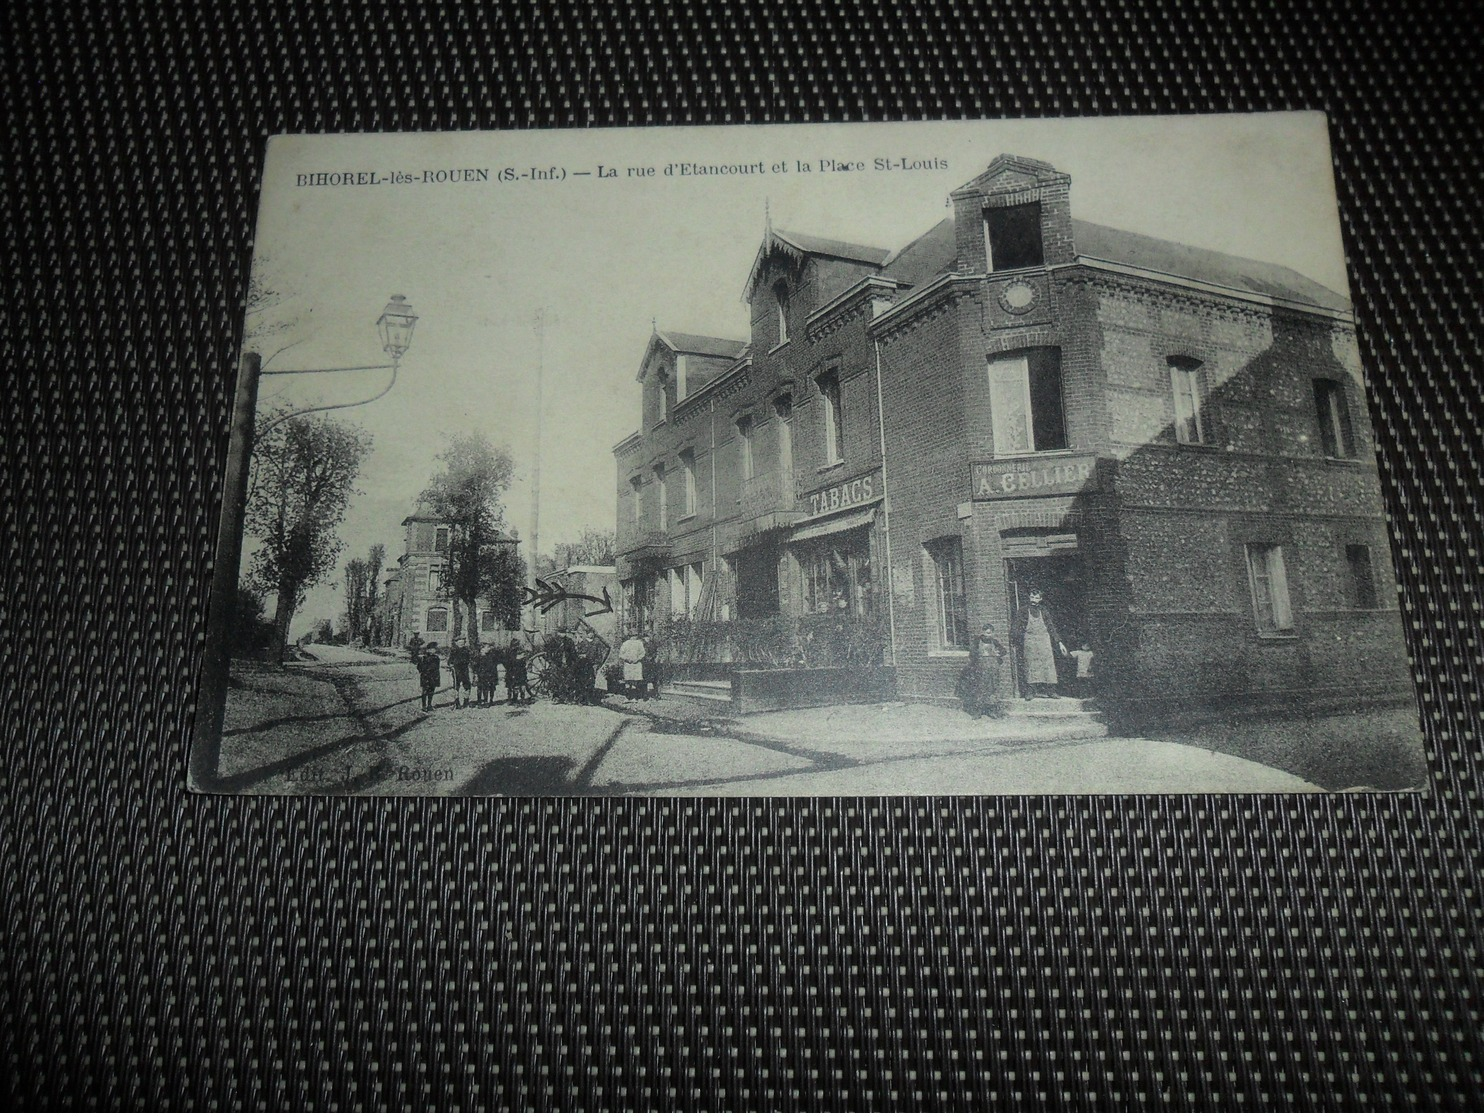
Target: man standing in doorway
x=1036 y=636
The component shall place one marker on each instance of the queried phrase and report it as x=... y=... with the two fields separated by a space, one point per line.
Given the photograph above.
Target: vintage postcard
x=967 y=458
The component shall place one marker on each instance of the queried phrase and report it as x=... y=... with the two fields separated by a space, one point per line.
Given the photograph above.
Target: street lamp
x=394 y=327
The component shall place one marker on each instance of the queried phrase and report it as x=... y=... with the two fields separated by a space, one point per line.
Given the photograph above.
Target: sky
x=601 y=258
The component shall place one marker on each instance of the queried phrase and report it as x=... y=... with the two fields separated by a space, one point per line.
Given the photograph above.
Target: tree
x=362 y=595
x=467 y=494
x=354 y=584
x=300 y=481
x=252 y=633
x=594 y=547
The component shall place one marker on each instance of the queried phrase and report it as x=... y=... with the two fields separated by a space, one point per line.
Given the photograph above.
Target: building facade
x=415 y=600
x=1169 y=443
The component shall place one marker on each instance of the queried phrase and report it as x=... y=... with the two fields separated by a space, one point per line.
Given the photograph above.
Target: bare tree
x=300 y=481
x=594 y=547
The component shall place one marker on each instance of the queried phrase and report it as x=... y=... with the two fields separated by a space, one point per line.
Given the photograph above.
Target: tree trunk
x=283 y=617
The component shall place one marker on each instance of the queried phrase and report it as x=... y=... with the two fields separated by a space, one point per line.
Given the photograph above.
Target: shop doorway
x=757 y=582
x=1063 y=585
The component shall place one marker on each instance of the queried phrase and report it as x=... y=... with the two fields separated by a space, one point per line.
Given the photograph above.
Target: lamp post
x=394 y=327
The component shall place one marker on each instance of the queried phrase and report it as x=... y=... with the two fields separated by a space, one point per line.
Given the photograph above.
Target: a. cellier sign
x=1037 y=476
x=842 y=495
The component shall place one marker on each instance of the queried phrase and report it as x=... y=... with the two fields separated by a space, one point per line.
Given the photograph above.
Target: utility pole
x=536 y=469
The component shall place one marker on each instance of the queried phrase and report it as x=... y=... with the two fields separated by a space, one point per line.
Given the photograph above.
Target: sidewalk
x=882 y=723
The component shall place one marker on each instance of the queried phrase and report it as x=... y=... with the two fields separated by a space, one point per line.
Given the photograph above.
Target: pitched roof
x=1203 y=264
x=933 y=254
x=702 y=346
x=929 y=255
x=841 y=250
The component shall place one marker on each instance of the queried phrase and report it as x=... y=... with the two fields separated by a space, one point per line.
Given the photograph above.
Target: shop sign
x=1034 y=477
x=858 y=491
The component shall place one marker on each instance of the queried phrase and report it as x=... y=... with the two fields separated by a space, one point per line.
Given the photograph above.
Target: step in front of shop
x=704 y=690
x=1053 y=708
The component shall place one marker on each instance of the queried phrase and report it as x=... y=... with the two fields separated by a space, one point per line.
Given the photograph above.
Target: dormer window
x=662 y=386
x=1012 y=237
x=780 y=300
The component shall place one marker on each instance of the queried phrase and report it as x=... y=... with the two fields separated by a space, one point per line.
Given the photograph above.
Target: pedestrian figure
x=458 y=663
x=1036 y=635
x=1084 y=657
x=977 y=684
x=517 y=689
x=487 y=674
x=415 y=649
x=428 y=668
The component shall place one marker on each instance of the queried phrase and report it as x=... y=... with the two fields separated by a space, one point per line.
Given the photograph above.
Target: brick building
x=591 y=582
x=414 y=601
x=1169 y=442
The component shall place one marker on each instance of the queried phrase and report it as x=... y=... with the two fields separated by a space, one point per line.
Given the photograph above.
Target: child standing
x=428 y=668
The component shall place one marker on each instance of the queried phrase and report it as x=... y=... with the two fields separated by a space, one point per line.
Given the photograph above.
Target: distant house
x=1169 y=442
x=599 y=582
x=415 y=600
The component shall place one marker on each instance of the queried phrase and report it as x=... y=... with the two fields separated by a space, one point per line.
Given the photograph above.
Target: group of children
x=471 y=669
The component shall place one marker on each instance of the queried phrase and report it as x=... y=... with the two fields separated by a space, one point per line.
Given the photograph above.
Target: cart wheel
x=540 y=674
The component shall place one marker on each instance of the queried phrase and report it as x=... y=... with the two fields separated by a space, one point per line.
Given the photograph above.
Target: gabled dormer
x=1015 y=216
x=676 y=366
x=795 y=274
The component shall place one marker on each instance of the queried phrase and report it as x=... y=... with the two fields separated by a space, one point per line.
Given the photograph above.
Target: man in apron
x=1035 y=632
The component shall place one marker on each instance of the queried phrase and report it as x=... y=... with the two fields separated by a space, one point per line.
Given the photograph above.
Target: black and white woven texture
x=167 y=950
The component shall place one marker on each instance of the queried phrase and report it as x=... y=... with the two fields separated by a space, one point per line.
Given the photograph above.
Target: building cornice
x=1216 y=290
x=845 y=305
x=950 y=285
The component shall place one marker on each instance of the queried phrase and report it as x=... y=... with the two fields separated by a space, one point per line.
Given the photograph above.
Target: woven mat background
x=166 y=950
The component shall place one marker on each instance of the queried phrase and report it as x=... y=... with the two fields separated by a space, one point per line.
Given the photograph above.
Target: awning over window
x=834 y=524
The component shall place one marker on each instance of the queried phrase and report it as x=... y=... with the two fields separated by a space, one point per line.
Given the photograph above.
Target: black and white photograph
x=972 y=458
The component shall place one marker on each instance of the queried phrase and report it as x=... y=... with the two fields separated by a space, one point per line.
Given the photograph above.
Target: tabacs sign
x=843 y=495
x=1034 y=477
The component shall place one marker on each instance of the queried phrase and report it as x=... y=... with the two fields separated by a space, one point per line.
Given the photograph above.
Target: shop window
x=664 y=493
x=440 y=539
x=437 y=620
x=688 y=471
x=1025 y=402
x=487 y=621
x=1333 y=412
x=1269 y=581
x=1188 y=383
x=745 y=464
x=834 y=415
x=837 y=576
x=1012 y=237
x=953 y=609
x=780 y=302
x=1362 y=578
